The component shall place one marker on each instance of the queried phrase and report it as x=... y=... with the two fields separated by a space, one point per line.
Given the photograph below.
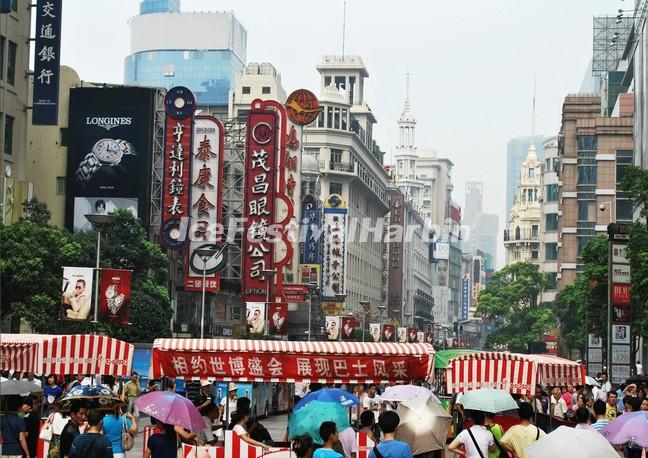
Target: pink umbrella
x=630 y=427
x=172 y=409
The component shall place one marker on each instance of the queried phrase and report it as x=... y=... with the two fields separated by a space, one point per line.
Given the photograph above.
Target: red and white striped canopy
x=513 y=372
x=65 y=354
x=285 y=361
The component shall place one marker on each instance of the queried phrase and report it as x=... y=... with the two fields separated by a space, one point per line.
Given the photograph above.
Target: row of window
x=9 y=49
x=8 y=132
x=248 y=89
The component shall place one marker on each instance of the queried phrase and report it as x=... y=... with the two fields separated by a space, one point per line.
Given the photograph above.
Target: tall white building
x=256 y=81
x=549 y=218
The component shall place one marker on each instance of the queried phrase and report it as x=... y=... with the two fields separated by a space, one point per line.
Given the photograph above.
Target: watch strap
x=126 y=147
x=87 y=168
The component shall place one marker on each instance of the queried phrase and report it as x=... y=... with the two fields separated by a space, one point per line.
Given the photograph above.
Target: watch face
x=111 y=291
x=107 y=151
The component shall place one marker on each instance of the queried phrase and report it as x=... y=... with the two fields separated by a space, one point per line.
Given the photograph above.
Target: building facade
x=481 y=229
x=256 y=81
x=203 y=51
x=549 y=218
x=516 y=151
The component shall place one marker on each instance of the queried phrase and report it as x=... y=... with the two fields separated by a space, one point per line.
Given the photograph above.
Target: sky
x=472 y=64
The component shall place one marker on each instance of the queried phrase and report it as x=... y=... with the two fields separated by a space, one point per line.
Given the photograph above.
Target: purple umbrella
x=172 y=409
x=629 y=427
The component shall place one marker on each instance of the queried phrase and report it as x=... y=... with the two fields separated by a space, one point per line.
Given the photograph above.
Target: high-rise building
x=593 y=151
x=549 y=218
x=516 y=152
x=483 y=229
x=203 y=51
x=522 y=236
x=474 y=200
x=257 y=81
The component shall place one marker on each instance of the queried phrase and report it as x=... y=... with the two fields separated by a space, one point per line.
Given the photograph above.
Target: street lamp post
x=205 y=254
x=98 y=221
x=365 y=309
x=312 y=286
x=268 y=274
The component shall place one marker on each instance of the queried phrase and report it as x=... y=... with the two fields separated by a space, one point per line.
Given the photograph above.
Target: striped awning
x=65 y=354
x=286 y=361
x=513 y=372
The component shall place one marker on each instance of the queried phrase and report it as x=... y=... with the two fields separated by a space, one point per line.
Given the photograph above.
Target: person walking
x=600 y=409
x=389 y=447
x=78 y=414
x=611 y=408
x=518 y=437
x=51 y=393
x=91 y=444
x=497 y=431
x=32 y=422
x=132 y=390
x=329 y=434
x=372 y=402
x=114 y=425
x=476 y=440
x=163 y=444
x=13 y=431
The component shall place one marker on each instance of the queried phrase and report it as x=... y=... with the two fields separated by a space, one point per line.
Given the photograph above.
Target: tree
x=511 y=300
x=376 y=151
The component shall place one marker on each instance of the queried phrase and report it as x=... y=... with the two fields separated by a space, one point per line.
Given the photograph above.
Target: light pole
x=98 y=221
x=268 y=274
x=312 y=287
x=205 y=253
x=366 y=307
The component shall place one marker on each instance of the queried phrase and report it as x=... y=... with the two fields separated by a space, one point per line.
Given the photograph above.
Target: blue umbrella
x=488 y=400
x=308 y=419
x=336 y=395
x=98 y=397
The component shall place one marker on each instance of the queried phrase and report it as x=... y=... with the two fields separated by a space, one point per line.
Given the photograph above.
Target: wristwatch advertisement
x=106 y=152
x=115 y=295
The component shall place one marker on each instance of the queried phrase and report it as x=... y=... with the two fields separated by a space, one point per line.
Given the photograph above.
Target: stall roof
x=276 y=360
x=65 y=354
x=442 y=357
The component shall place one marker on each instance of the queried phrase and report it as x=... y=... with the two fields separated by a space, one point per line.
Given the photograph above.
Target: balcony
x=346 y=167
x=521 y=235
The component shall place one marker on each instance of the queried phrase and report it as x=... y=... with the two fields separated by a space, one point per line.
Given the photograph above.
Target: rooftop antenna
x=343 y=28
x=533 y=111
x=407 y=91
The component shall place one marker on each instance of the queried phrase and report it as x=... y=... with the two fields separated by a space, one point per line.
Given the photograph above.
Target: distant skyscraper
x=484 y=227
x=516 y=153
x=202 y=51
x=474 y=200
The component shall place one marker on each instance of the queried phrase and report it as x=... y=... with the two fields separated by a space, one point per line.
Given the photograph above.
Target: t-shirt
x=11 y=425
x=32 y=424
x=206 y=433
x=520 y=436
x=132 y=389
x=240 y=430
x=70 y=431
x=91 y=445
x=372 y=403
x=232 y=408
x=568 y=399
x=59 y=422
x=326 y=453
x=598 y=424
x=483 y=437
x=559 y=407
x=51 y=393
x=611 y=412
x=497 y=432
x=393 y=449
x=163 y=446
x=348 y=440
x=112 y=429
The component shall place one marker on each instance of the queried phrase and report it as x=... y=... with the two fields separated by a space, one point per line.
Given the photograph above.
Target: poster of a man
x=402 y=334
x=388 y=333
x=76 y=293
x=255 y=317
x=333 y=327
x=374 y=331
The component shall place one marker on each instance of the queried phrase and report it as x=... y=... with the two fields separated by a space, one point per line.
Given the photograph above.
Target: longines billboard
x=109 y=152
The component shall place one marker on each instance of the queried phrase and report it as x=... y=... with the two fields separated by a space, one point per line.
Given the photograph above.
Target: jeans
x=132 y=409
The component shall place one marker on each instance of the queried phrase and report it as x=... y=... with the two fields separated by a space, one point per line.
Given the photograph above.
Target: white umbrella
x=592 y=381
x=572 y=442
x=424 y=427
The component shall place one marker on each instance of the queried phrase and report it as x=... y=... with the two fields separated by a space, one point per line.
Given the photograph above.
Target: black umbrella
x=637 y=379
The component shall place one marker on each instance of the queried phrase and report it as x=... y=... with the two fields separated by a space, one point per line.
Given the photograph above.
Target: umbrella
x=20 y=387
x=342 y=397
x=424 y=426
x=98 y=397
x=572 y=442
x=308 y=419
x=488 y=400
x=629 y=427
x=409 y=394
x=172 y=409
x=637 y=379
x=591 y=381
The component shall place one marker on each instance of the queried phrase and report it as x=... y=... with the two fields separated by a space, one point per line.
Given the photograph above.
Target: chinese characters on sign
x=206 y=177
x=177 y=166
x=333 y=284
x=260 y=164
x=395 y=284
x=46 y=62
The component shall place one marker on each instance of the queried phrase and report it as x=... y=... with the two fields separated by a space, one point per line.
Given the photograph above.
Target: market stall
x=285 y=361
x=513 y=372
x=65 y=354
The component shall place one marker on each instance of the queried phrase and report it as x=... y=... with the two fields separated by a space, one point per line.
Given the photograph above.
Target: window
x=530 y=195
x=587 y=143
x=329 y=117
x=351 y=88
x=64 y=136
x=336 y=117
x=586 y=211
x=14 y=6
x=532 y=173
x=8 y=134
x=534 y=230
x=623 y=210
x=582 y=241
x=60 y=186
x=320 y=118
x=551 y=193
x=551 y=222
x=265 y=90
x=2 y=56
x=235 y=313
x=553 y=280
x=12 y=50
x=327 y=81
x=336 y=155
x=623 y=159
x=344 y=119
x=335 y=188
x=551 y=251
x=245 y=90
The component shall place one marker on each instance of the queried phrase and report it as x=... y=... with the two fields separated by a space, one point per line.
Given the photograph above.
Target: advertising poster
x=333 y=327
x=388 y=333
x=374 y=331
x=109 y=152
x=348 y=328
x=255 y=317
x=620 y=334
x=402 y=334
x=114 y=296
x=429 y=338
x=621 y=294
x=621 y=314
x=76 y=293
x=278 y=314
x=420 y=337
x=412 y=335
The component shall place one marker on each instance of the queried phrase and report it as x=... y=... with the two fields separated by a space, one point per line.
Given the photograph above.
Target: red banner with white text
x=114 y=296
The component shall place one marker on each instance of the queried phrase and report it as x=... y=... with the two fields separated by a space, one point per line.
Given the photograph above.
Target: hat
x=205 y=383
x=231 y=387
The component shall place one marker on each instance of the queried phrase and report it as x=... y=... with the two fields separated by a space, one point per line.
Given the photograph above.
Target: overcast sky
x=473 y=63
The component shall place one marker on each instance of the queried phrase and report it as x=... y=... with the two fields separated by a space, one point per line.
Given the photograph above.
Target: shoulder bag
x=46 y=431
x=127 y=440
x=476 y=444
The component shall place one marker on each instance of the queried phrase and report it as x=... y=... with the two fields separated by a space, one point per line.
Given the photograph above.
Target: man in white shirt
x=230 y=399
x=606 y=386
x=478 y=441
x=558 y=404
x=372 y=402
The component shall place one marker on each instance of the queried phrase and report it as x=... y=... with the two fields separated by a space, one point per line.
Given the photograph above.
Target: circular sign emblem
x=302 y=107
x=179 y=102
x=171 y=234
x=262 y=133
x=214 y=264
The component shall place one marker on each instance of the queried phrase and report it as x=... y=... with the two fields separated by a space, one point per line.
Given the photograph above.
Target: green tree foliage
x=511 y=300
x=34 y=252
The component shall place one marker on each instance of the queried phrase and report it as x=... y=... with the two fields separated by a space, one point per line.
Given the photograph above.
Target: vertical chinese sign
x=395 y=285
x=46 y=62
x=465 y=297
x=206 y=203
x=309 y=254
x=260 y=170
x=176 y=201
x=333 y=281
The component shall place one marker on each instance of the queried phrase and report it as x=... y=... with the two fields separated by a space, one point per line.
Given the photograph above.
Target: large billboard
x=46 y=62
x=109 y=152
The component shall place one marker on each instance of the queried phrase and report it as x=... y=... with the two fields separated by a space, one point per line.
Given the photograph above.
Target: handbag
x=126 y=439
x=46 y=431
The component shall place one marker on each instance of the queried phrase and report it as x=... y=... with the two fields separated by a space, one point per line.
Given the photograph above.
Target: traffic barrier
x=364 y=445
